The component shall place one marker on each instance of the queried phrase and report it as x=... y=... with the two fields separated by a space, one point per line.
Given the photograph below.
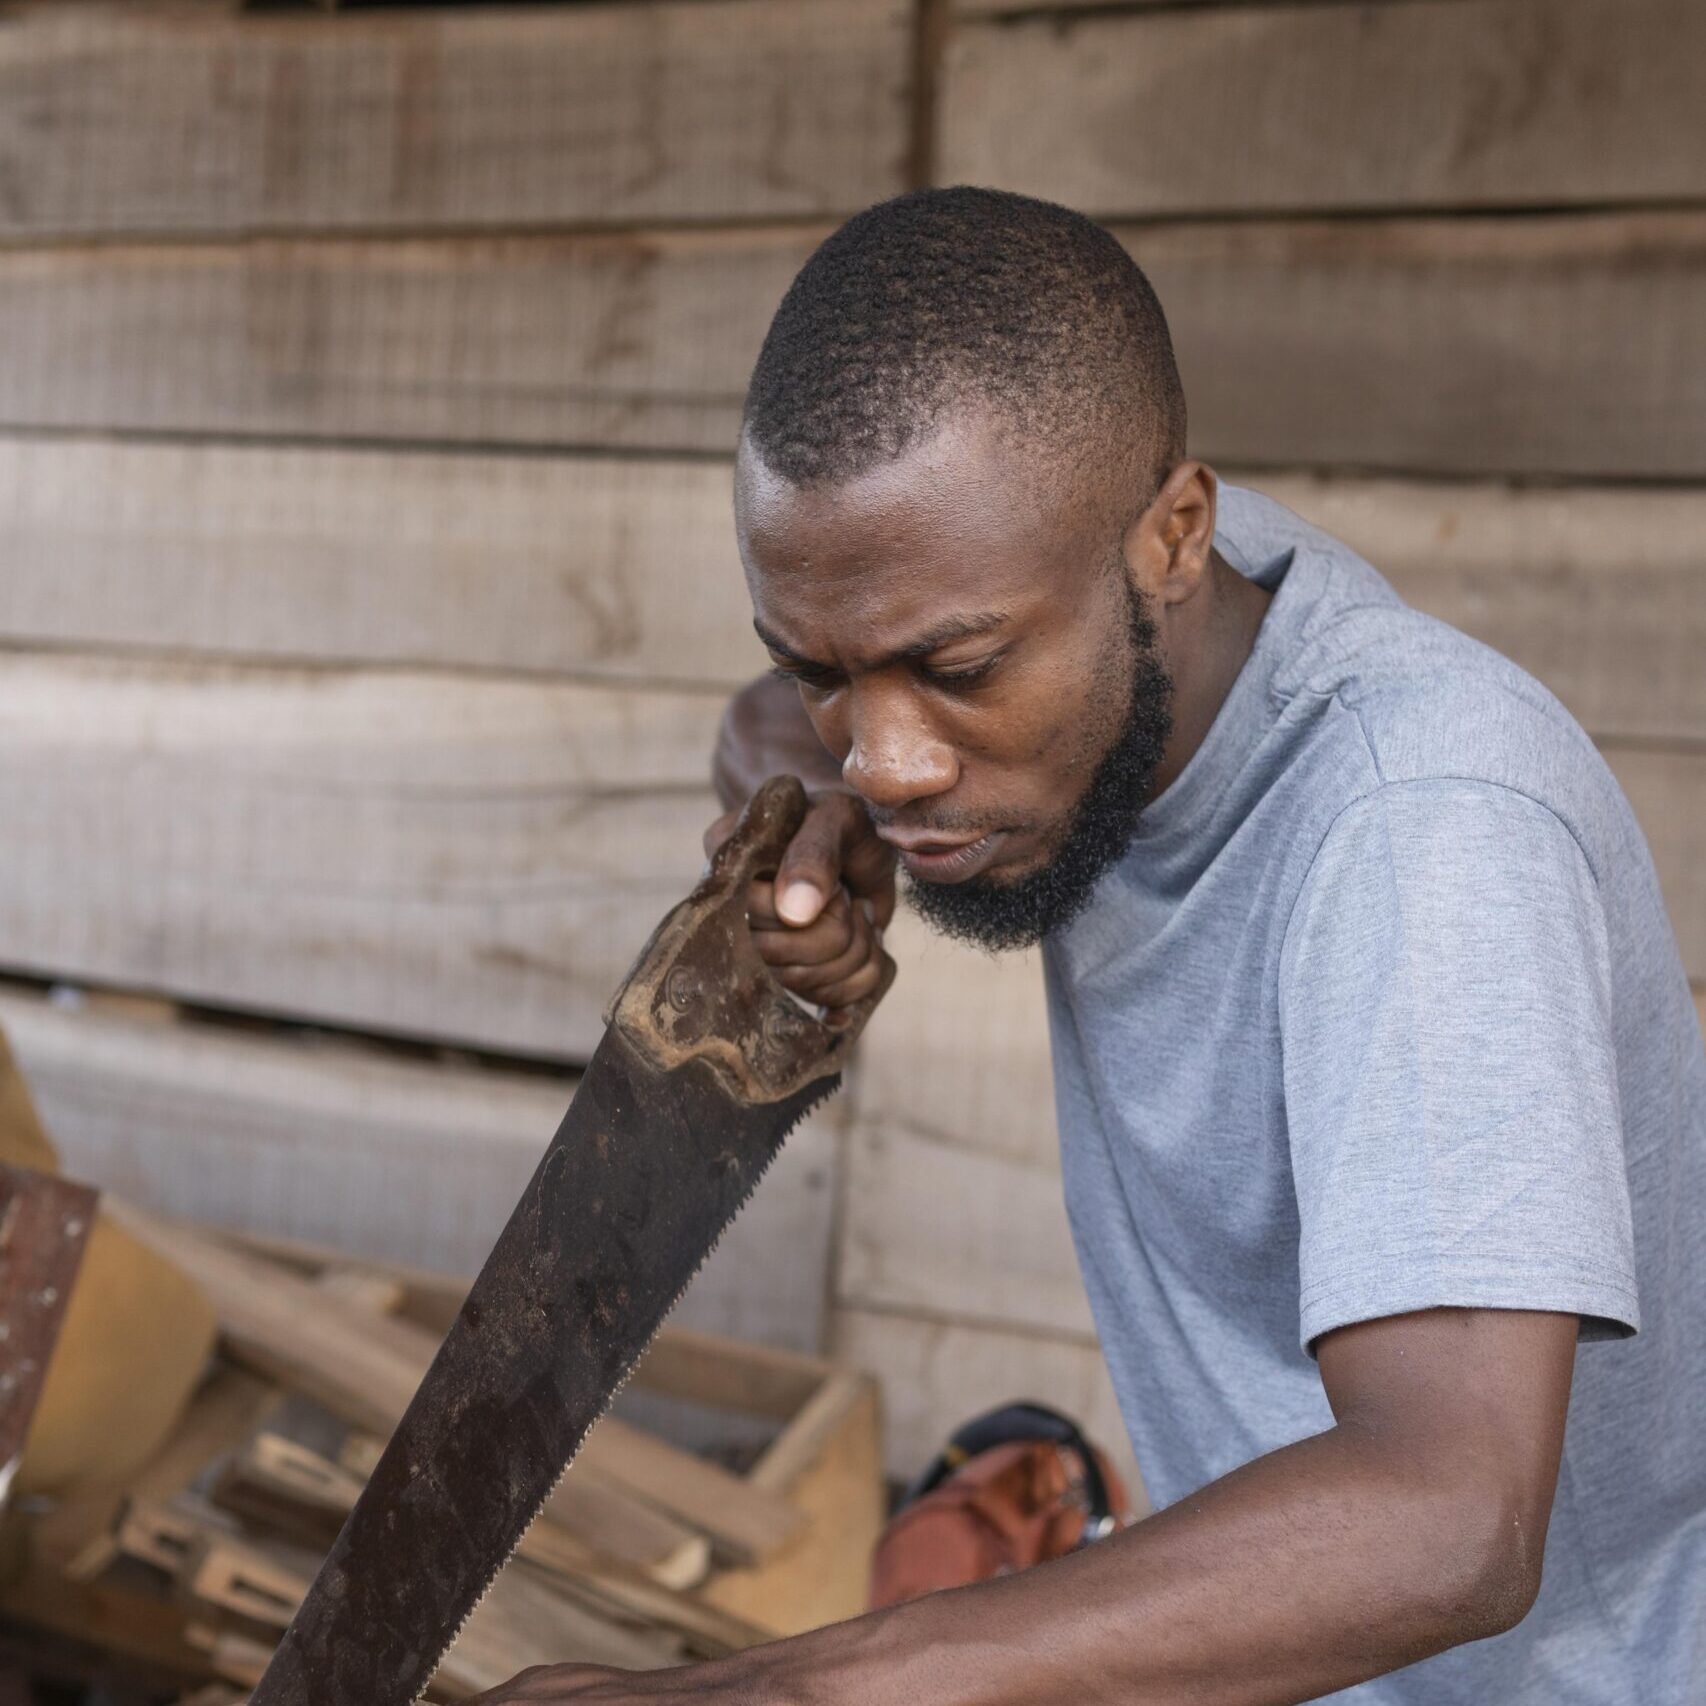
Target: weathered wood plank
x=734 y=109
x=365 y=1370
x=1599 y=593
x=384 y=1158
x=1573 y=345
x=959 y=1049
x=1667 y=788
x=476 y=860
x=627 y=567
x=1432 y=103
x=599 y=566
x=938 y=1374
x=601 y=341
x=1003 y=1257
x=1555 y=346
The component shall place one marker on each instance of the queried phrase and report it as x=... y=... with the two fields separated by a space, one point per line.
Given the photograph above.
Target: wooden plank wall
x=368 y=593
x=367 y=601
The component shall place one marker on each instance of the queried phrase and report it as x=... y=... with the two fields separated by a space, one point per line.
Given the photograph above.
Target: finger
x=868 y=867
x=856 y=987
x=813 y=980
x=720 y=831
x=810 y=870
x=808 y=978
x=823 y=961
x=817 y=944
x=761 y=911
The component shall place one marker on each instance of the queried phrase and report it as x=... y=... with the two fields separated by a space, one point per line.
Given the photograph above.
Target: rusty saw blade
x=705 y=1066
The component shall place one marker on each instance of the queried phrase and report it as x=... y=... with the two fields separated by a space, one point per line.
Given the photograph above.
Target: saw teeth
x=830 y=1085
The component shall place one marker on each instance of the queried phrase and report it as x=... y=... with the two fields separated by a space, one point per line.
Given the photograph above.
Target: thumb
x=810 y=871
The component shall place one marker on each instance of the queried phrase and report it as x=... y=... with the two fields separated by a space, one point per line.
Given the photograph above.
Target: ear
x=1167 y=548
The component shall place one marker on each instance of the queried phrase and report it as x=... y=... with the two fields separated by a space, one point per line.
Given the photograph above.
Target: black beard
x=994 y=915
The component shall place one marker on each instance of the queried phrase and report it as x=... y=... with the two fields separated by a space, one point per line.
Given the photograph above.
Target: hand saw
x=705 y=1066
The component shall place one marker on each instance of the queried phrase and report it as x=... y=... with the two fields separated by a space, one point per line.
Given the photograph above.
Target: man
x=1380 y=1086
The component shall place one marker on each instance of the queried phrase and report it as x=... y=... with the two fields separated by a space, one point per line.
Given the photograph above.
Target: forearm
x=1304 y=1572
x=765 y=732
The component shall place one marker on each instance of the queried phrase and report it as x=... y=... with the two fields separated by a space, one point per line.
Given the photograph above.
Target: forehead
x=966 y=520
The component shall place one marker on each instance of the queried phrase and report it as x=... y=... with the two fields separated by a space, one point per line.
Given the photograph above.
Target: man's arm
x=1415 y=1523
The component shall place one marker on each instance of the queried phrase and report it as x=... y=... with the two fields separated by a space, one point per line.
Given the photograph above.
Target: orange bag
x=1015 y=1487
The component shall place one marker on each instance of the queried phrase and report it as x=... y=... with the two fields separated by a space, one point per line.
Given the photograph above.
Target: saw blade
x=706 y=1066
x=633 y=1192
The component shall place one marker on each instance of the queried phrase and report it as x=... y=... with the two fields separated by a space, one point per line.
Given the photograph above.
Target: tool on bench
x=706 y=1065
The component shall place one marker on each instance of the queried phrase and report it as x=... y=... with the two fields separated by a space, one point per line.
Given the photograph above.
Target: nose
x=894 y=757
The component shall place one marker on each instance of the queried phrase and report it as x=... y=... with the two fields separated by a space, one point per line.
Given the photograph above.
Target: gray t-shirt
x=1382 y=1011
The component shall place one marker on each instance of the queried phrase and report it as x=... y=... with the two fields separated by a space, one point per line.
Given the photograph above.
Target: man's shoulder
x=1419 y=700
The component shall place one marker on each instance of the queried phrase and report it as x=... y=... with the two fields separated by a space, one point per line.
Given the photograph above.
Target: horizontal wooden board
x=1665 y=786
x=1004 y=1255
x=675 y=110
x=1601 y=593
x=937 y=1374
x=1429 y=103
x=477 y=860
x=959 y=1049
x=1548 y=346
x=1573 y=345
x=598 y=566
x=600 y=341
x=389 y=1159
x=627 y=567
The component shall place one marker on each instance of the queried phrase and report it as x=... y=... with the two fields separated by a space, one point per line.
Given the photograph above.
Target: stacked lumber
x=187 y=1570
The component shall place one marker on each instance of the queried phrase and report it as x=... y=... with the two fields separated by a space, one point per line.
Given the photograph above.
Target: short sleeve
x=1450 y=1080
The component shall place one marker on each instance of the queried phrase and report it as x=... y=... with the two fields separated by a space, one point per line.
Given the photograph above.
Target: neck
x=1205 y=657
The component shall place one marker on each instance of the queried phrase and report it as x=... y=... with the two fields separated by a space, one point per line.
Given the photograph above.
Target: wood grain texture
x=1570 y=345
x=627 y=568
x=959 y=1049
x=1664 y=785
x=1600 y=593
x=605 y=341
x=387 y=1159
x=1430 y=103
x=704 y=109
x=593 y=566
x=1560 y=346
x=476 y=860
x=1003 y=1257
x=366 y=1369
x=829 y=1462
x=936 y=1375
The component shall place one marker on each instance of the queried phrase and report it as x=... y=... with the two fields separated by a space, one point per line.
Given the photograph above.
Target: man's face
x=968 y=645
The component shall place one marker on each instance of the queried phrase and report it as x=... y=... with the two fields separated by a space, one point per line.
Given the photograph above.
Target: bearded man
x=1380 y=1086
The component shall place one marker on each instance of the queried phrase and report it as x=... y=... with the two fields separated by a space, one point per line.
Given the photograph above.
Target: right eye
x=813 y=677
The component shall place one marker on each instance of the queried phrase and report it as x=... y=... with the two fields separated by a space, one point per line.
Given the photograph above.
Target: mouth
x=939 y=859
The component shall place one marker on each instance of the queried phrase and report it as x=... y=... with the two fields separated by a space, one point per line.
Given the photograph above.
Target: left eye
x=963 y=677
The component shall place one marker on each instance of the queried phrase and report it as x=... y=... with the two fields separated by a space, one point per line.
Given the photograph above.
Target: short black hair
x=946 y=295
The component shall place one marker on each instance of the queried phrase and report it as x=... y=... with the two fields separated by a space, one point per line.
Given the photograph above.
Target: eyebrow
x=931 y=640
